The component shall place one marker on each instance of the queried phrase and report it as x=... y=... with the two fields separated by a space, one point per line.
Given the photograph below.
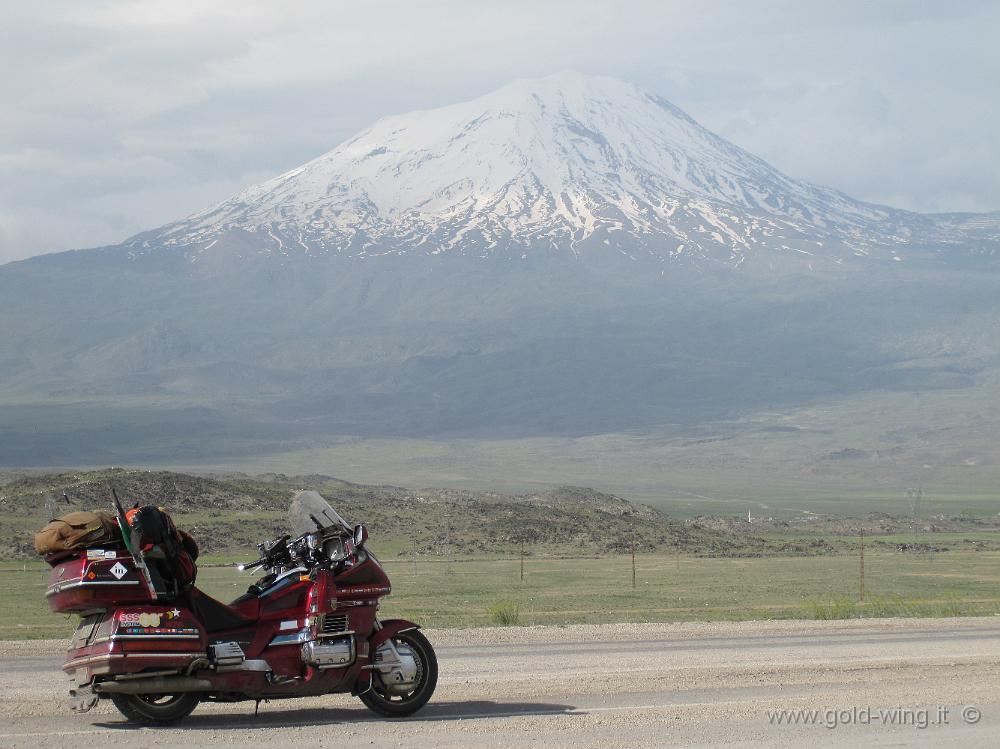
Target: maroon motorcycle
x=307 y=628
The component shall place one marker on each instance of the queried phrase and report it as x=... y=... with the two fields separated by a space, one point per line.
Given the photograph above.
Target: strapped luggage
x=166 y=551
x=78 y=530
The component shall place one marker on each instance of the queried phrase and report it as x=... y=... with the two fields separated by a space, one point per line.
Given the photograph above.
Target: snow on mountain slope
x=568 y=162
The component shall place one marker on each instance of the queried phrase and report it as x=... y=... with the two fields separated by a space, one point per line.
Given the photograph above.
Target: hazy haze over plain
x=121 y=116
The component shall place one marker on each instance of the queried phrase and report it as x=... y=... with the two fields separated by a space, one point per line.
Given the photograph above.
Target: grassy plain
x=461 y=592
x=449 y=552
x=824 y=459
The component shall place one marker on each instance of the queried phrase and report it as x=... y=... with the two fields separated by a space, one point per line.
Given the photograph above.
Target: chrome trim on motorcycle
x=226 y=653
x=338 y=653
x=85 y=660
x=333 y=625
x=115 y=638
x=297 y=638
x=80 y=583
x=154 y=685
x=399 y=671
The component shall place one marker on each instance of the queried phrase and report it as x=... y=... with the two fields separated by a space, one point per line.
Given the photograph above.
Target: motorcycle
x=308 y=627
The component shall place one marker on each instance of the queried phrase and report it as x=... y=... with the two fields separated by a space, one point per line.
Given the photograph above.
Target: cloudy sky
x=121 y=116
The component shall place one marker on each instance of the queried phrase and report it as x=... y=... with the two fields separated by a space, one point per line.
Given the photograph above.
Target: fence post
x=633 y=565
x=861 y=570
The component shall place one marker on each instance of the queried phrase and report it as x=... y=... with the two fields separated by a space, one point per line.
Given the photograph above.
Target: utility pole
x=861 y=570
x=413 y=557
x=522 y=560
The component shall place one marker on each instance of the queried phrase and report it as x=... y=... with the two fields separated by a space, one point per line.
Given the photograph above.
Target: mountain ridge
x=567 y=163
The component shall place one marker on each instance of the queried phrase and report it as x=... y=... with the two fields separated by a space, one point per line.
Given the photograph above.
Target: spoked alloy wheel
x=393 y=699
x=155 y=709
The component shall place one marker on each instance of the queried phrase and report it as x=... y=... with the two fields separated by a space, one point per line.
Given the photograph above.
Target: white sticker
x=289 y=624
x=119 y=570
x=110 y=555
x=95 y=553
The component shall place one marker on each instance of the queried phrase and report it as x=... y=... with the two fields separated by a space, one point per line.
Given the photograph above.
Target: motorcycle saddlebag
x=78 y=530
x=132 y=639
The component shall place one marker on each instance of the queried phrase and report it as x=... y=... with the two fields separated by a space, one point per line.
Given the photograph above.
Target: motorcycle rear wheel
x=155 y=709
x=383 y=701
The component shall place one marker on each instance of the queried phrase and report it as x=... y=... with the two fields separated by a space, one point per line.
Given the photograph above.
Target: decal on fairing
x=143 y=619
x=153 y=623
x=119 y=570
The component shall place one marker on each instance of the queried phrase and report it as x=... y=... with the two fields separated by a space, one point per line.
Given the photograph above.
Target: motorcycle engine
x=331 y=653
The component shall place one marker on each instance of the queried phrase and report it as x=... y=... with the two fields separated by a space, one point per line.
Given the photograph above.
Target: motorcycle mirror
x=360 y=535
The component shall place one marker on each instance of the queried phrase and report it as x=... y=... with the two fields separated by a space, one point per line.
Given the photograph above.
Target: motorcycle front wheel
x=155 y=709
x=389 y=700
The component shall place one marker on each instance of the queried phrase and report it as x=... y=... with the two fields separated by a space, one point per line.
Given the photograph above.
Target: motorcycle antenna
x=123 y=525
x=131 y=539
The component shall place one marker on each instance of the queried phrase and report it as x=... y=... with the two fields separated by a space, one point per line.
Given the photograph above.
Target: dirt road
x=878 y=682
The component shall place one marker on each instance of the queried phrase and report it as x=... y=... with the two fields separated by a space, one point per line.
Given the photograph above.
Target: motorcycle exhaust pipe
x=155 y=685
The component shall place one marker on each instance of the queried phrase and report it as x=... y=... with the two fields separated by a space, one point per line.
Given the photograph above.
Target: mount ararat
x=566 y=163
x=562 y=258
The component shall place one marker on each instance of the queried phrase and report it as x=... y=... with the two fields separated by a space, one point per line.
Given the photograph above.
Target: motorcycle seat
x=215 y=615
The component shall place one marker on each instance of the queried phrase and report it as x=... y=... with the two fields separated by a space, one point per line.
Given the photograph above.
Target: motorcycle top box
x=308 y=627
x=94 y=579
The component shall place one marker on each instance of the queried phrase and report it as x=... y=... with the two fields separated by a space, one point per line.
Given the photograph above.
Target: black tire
x=379 y=699
x=155 y=709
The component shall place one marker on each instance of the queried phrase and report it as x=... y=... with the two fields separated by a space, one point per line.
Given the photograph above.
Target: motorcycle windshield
x=309 y=513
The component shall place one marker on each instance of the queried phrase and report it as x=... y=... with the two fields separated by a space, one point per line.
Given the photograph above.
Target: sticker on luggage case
x=142 y=619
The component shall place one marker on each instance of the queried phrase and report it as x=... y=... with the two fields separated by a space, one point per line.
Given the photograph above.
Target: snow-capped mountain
x=265 y=324
x=568 y=162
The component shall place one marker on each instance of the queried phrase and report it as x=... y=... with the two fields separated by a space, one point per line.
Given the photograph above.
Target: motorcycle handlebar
x=282 y=552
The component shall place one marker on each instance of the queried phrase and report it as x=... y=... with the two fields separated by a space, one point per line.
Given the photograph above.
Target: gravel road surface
x=890 y=682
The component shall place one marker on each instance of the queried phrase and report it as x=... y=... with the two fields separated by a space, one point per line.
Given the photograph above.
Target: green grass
x=893 y=605
x=505 y=613
x=838 y=608
x=466 y=591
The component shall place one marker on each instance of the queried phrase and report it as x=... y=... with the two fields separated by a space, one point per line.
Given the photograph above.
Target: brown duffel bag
x=78 y=530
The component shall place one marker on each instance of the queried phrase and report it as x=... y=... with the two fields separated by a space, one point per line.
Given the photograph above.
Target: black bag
x=164 y=550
